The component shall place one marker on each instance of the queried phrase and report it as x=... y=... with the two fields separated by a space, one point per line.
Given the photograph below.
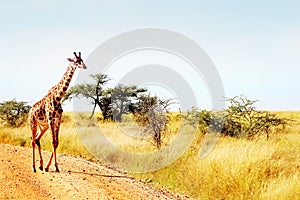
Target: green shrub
x=240 y=119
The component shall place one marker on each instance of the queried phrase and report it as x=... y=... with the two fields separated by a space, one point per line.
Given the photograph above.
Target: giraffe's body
x=47 y=113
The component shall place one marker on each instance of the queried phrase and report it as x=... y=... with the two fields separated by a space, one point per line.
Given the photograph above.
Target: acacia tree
x=13 y=113
x=122 y=98
x=113 y=102
x=95 y=93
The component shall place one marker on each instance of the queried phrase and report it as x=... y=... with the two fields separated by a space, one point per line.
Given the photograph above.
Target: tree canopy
x=113 y=102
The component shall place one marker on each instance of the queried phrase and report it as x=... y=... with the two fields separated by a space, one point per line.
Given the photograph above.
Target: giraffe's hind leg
x=37 y=141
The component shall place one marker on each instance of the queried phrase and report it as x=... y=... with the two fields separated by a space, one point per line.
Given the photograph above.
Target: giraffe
x=47 y=113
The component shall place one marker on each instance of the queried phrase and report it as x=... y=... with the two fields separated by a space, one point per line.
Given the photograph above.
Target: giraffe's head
x=77 y=61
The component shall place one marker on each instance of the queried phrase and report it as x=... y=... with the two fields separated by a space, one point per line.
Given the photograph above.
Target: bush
x=13 y=113
x=151 y=113
x=241 y=119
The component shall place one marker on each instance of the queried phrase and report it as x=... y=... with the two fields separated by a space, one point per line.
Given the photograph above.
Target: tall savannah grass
x=69 y=142
x=237 y=168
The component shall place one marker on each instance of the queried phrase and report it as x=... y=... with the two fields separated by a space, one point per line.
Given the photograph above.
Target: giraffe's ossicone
x=47 y=113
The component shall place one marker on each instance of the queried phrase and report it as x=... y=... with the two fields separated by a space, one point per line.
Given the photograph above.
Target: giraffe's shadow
x=94 y=174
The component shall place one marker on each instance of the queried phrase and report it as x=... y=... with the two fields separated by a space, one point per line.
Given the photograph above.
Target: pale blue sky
x=255 y=45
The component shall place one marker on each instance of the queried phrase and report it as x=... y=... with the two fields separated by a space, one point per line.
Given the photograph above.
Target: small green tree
x=151 y=113
x=13 y=113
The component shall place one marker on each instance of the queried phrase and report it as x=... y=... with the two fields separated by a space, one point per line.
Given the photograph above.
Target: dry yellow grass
x=69 y=142
x=235 y=169
x=239 y=168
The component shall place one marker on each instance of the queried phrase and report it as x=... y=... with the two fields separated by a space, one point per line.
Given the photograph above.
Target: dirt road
x=78 y=179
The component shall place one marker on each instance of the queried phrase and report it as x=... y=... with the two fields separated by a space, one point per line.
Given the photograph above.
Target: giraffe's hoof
x=34 y=170
x=46 y=169
x=41 y=168
x=56 y=168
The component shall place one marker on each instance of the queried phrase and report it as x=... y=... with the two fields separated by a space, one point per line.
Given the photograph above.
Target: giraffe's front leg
x=49 y=163
x=34 y=130
x=33 y=157
x=55 y=161
x=55 y=138
x=55 y=124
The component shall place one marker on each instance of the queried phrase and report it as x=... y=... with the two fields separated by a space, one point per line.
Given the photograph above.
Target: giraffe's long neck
x=64 y=83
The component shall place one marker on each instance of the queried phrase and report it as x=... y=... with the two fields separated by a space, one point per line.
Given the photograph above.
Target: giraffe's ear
x=70 y=59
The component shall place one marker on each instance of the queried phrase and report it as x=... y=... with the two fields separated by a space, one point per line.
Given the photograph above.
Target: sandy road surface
x=78 y=179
